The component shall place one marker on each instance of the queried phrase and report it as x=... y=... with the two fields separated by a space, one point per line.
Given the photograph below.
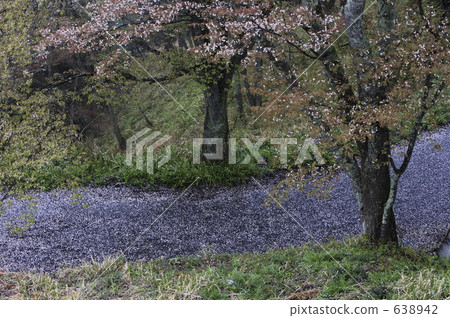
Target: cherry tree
x=214 y=36
x=373 y=91
x=380 y=82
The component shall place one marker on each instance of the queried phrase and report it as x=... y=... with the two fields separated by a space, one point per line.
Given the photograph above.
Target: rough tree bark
x=371 y=177
x=217 y=79
x=216 y=115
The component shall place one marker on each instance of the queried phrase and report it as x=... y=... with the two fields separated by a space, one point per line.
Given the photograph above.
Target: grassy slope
x=306 y=272
x=101 y=163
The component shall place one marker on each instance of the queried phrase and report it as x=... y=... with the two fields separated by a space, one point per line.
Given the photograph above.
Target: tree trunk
x=147 y=121
x=217 y=80
x=216 y=118
x=254 y=99
x=375 y=187
x=239 y=100
x=116 y=130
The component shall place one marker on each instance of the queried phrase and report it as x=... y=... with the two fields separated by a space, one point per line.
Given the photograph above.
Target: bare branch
x=418 y=124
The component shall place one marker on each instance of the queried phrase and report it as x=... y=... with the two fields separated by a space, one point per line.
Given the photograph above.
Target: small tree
x=32 y=135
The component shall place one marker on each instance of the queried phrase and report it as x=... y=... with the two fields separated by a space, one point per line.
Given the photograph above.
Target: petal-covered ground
x=165 y=223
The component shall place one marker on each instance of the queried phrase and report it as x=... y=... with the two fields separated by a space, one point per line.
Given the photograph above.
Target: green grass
x=84 y=169
x=351 y=269
x=99 y=170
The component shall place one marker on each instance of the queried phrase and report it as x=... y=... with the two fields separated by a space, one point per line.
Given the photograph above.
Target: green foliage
x=440 y=114
x=33 y=138
x=22 y=224
x=32 y=134
x=16 y=20
x=98 y=170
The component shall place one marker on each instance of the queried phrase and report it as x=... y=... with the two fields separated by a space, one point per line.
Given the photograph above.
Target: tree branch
x=418 y=124
x=354 y=172
x=65 y=81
